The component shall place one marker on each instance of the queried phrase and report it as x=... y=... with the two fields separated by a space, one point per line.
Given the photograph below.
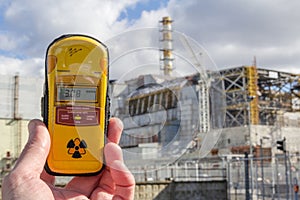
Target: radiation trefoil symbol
x=76 y=148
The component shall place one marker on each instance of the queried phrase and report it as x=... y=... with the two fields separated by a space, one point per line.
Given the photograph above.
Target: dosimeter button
x=80 y=115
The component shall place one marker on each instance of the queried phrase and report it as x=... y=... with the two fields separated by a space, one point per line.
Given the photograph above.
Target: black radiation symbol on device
x=76 y=148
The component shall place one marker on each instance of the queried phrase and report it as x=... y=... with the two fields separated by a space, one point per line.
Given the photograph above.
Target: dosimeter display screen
x=77 y=94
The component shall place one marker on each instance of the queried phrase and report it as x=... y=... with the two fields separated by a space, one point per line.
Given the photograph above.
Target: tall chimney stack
x=167 y=56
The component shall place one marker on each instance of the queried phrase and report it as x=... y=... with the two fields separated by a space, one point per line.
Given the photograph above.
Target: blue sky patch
x=135 y=12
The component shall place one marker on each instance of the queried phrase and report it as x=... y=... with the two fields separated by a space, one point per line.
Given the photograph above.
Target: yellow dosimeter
x=76 y=104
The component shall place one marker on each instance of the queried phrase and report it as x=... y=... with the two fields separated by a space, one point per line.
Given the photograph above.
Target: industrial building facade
x=20 y=102
x=254 y=103
x=264 y=92
x=216 y=112
x=242 y=104
x=264 y=103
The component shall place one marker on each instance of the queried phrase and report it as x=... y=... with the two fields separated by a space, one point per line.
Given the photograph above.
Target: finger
x=117 y=179
x=112 y=152
x=83 y=185
x=48 y=178
x=124 y=180
x=34 y=154
x=115 y=128
x=86 y=185
x=117 y=182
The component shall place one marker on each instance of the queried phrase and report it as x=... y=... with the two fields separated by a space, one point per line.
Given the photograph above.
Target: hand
x=29 y=181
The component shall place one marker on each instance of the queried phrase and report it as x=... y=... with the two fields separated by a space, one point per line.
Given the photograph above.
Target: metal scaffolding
x=254 y=96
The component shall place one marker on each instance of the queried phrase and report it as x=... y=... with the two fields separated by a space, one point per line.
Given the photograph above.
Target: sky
x=231 y=31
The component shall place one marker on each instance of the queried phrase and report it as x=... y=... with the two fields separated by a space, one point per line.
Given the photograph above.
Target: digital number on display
x=76 y=94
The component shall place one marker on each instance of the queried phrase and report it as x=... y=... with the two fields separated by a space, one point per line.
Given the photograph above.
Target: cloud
x=231 y=31
x=234 y=31
x=31 y=25
x=25 y=67
x=41 y=21
x=7 y=42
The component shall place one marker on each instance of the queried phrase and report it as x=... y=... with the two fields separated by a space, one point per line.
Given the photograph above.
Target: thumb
x=34 y=154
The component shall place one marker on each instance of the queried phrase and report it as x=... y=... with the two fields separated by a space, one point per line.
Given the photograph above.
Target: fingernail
x=119 y=124
x=117 y=198
x=32 y=127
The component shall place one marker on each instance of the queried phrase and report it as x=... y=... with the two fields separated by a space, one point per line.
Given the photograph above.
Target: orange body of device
x=76 y=104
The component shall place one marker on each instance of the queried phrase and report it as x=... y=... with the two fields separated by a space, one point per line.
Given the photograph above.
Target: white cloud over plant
x=231 y=31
